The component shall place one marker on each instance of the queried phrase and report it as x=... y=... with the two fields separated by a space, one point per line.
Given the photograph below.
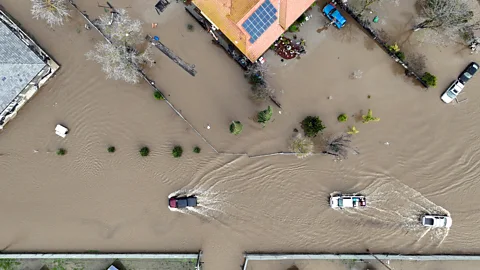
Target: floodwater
x=93 y=200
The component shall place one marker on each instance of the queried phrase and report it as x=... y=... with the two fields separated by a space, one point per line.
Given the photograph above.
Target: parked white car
x=437 y=221
x=452 y=91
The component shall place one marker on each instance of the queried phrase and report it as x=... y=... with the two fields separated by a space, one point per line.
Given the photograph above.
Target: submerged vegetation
x=369 y=117
x=342 y=118
x=236 y=127
x=144 y=151
x=177 y=151
x=61 y=152
x=264 y=116
x=312 y=125
x=301 y=146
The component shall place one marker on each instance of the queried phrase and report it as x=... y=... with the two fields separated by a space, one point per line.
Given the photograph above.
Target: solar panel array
x=260 y=20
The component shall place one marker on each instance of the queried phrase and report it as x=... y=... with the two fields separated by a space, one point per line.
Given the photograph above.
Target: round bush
x=197 y=149
x=111 y=149
x=312 y=125
x=61 y=152
x=177 y=151
x=342 y=118
x=144 y=151
x=158 y=95
x=429 y=79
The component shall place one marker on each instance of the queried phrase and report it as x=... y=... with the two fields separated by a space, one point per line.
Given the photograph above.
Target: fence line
x=99 y=256
x=373 y=34
x=150 y=82
x=433 y=257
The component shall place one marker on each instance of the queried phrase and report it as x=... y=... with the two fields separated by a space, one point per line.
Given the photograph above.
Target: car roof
x=328 y=8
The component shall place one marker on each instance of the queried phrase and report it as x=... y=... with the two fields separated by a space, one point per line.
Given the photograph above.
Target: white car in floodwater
x=452 y=91
x=437 y=221
x=347 y=201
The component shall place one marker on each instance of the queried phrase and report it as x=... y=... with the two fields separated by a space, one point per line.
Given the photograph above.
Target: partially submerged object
x=182 y=202
x=61 y=131
x=437 y=221
x=347 y=201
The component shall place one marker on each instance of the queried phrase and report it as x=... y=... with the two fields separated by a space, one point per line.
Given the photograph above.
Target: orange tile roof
x=229 y=15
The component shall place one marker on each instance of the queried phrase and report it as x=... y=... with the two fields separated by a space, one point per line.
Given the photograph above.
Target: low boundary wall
x=99 y=256
x=434 y=257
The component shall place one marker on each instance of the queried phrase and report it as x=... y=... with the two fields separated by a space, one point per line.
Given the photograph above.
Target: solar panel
x=260 y=20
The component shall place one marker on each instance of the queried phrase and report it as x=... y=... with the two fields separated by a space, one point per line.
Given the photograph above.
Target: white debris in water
x=330 y=97
x=279 y=112
x=208 y=126
x=387 y=143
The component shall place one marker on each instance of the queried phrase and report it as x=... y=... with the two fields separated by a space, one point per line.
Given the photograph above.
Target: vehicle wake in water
x=394 y=204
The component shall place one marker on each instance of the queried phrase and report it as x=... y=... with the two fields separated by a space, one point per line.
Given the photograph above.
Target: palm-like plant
x=353 y=130
x=369 y=117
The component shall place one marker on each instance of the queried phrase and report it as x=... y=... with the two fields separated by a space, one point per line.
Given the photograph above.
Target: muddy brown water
x=92 y=200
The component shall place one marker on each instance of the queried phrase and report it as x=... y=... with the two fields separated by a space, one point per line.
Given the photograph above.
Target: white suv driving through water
x=436 y=221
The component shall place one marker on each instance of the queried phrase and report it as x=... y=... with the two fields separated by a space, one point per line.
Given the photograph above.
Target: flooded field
x=422 y=156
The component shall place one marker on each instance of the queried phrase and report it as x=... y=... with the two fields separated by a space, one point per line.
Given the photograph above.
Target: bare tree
x=262 y=70
x=120 y=62
x=120 y=58
x=302 y=146
x=54 y=12
x=261 y=92
x=339 y=146
x=446 y=20
x=257 y=75
x=120 y=28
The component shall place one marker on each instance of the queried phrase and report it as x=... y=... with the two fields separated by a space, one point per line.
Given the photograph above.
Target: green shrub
x=429 y=79
x=312 y=125
x=197 y=149
x=400 y=55
x=342 y=117
x=190 y=27
x=177 y=151
x=158 y=95
x=9 y=264
x=293 y=28
x=394 y=48
x=265 y=116
x=61 y=152
x=144 y=151
x=111 y=149
x=236 y=127
x=301 y=19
